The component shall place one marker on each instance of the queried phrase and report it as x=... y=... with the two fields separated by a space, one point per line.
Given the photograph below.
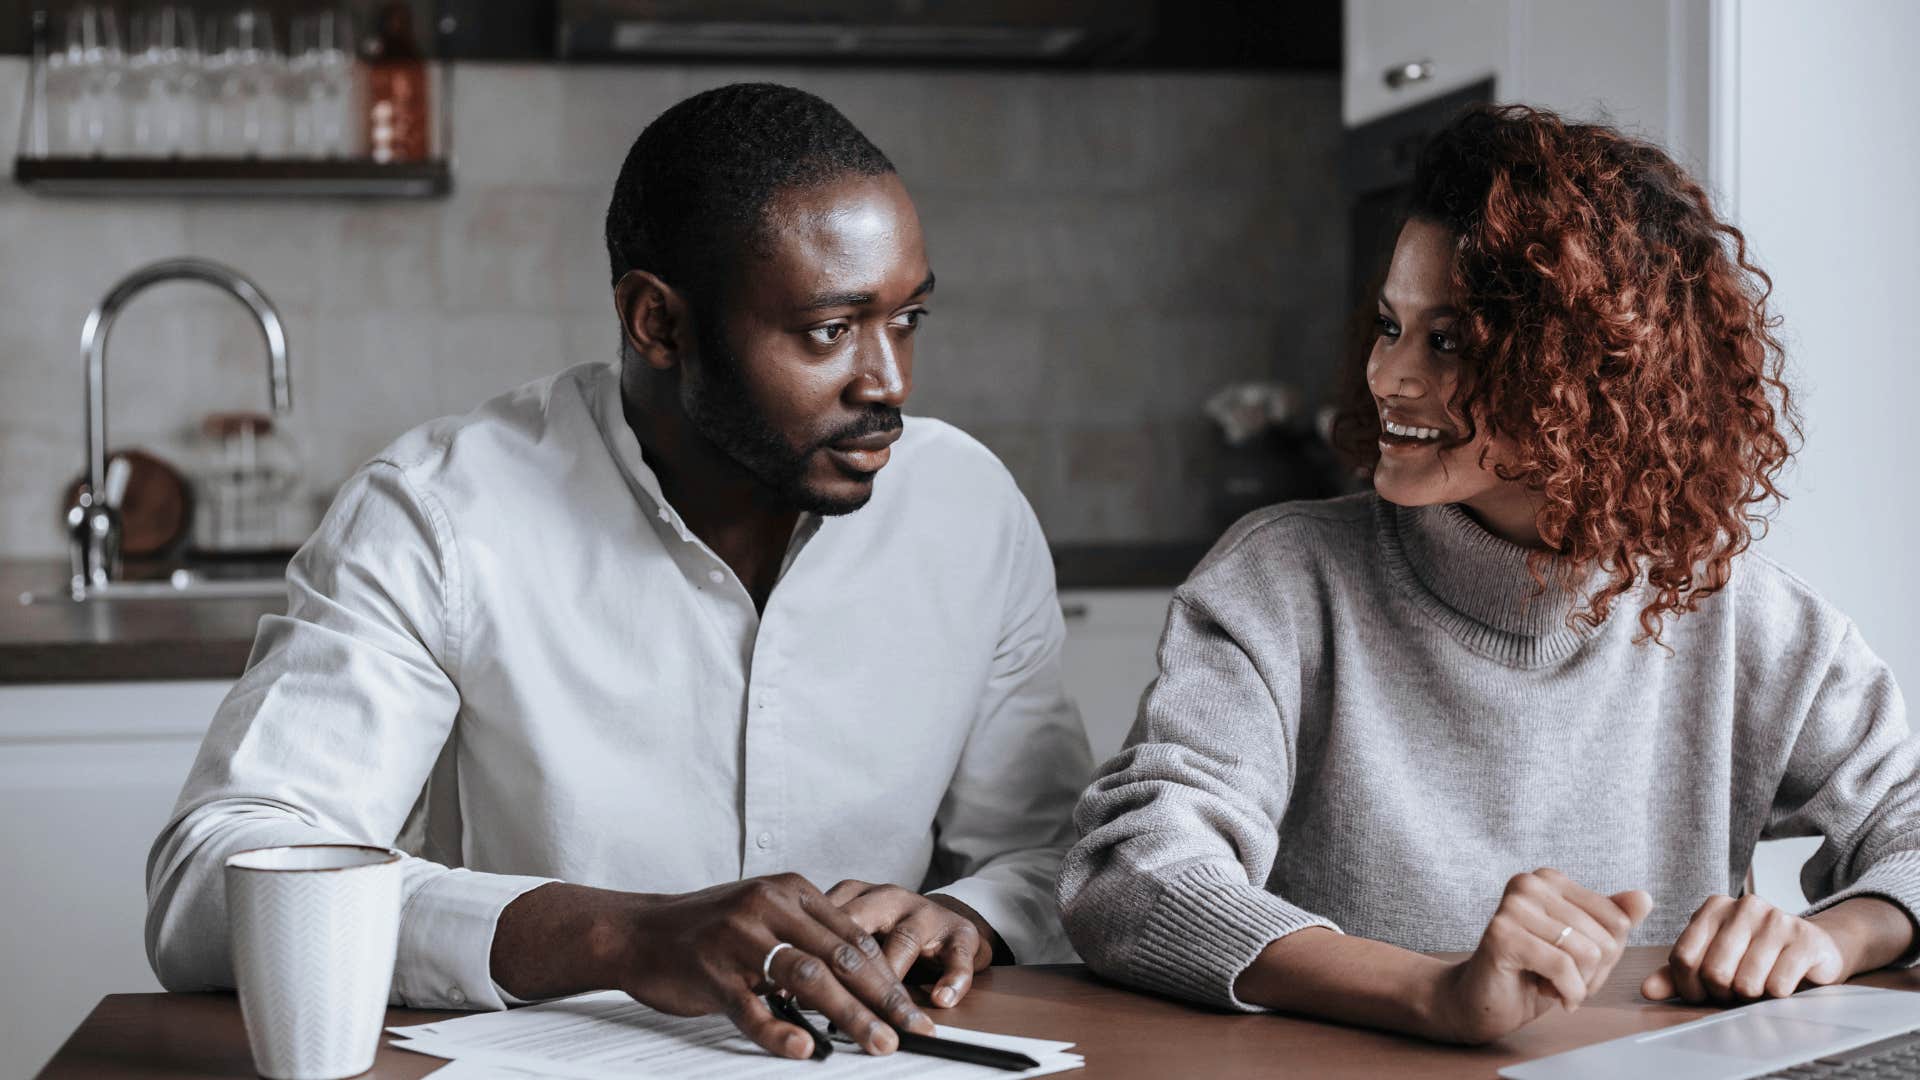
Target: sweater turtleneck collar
x=1478 y=585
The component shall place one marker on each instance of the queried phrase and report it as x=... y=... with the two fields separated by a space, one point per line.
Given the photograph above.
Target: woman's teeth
x=1407 y=432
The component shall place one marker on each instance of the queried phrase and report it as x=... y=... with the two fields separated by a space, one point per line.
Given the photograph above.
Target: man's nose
x=885 y=376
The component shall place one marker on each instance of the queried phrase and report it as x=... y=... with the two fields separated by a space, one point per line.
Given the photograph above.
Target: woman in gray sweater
x=1540 y=642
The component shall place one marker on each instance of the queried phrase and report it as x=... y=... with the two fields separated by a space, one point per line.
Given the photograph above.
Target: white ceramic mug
x=314 y=930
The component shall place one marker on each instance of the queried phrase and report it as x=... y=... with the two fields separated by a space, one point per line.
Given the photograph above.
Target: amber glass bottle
x=399 y=116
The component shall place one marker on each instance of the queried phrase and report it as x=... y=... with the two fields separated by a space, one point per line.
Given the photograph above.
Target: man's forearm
x=1332 y=976
x=562 y=939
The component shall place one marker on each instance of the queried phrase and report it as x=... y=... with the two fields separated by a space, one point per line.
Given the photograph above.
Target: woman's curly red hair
x=1615 y=331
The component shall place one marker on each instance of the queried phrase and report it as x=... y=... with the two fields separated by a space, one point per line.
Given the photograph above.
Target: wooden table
x=1122 y=1034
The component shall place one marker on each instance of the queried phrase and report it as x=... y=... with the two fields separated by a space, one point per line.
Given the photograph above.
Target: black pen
x=971 y=1053
x=784 y=1008
x=954 y=1050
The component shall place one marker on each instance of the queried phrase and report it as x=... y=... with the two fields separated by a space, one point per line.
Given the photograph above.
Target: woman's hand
x=1740 y=950
x=1552 y=941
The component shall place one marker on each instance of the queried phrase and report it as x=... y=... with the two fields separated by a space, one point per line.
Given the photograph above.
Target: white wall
x=1818 y=155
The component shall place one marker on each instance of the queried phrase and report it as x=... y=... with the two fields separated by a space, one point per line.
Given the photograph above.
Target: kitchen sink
x=252 y=579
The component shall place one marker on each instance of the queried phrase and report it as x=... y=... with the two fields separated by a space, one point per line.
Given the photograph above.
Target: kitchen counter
x=211 y=638
x=119 y=639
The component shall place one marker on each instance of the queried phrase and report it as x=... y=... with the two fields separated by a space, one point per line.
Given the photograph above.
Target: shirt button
x=764 y=840
x=455 y=995
x=716 y=576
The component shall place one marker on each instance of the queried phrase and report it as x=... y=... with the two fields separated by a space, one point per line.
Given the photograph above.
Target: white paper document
x=610 y=1035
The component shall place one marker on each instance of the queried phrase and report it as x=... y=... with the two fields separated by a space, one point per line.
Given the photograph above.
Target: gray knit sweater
x=1364 y=719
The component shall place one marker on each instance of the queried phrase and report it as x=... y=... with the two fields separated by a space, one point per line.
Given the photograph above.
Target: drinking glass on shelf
x=321 y=85
x=161 y=89
x=247 y=113
x=83 y=81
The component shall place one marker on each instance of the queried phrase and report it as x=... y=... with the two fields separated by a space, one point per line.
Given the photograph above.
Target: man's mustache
x=879 y=419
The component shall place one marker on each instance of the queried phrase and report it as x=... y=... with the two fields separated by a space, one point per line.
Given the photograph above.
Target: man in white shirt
x=616 y=659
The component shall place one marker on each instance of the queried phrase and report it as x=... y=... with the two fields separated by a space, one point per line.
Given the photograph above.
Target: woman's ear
x=654 y=318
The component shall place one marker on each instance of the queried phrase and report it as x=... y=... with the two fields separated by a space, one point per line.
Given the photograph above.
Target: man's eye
x=1385 y=326
x=910 y=320
x=828 y=334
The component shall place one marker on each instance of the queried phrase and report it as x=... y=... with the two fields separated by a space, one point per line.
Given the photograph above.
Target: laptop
x=1833 y=1031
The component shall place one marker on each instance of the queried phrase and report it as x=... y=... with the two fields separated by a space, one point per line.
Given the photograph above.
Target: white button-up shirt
x=504 y=605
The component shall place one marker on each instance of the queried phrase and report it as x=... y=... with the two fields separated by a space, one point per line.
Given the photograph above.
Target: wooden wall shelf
x=231 y=176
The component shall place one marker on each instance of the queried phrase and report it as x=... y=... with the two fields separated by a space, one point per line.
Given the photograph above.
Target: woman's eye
x=1443 y=343
x=828 y=334
x=1385 y=326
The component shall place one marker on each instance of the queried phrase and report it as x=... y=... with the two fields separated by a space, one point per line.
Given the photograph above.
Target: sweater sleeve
x=1166 y=888
x=1853 y=777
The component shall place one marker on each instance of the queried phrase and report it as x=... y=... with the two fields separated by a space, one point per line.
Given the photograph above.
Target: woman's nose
x=1395 y=369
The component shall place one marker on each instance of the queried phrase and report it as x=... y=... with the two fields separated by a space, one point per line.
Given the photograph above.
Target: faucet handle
x=93 y=543
x=119 y=472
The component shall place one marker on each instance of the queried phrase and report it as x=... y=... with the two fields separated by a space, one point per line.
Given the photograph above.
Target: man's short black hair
x=695 y=186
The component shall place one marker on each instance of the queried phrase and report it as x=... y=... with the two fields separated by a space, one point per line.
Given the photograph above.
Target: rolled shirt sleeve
x=1006 y=819
x=330 y=736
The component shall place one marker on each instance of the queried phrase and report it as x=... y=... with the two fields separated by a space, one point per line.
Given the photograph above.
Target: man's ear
x=655 y=319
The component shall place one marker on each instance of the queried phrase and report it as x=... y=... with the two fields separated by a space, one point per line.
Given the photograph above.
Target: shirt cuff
x=1207 y=927
x=1895 y=879
x=445 y=958
x=1028 y=921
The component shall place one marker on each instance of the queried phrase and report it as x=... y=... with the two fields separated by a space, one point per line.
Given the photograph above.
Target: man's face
x=801 y=377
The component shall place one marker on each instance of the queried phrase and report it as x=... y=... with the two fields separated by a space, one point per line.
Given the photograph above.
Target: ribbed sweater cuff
x=1895 y=878
x=1206 y=928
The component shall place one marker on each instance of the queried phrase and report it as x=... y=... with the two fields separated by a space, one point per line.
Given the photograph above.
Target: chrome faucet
x=93 y=524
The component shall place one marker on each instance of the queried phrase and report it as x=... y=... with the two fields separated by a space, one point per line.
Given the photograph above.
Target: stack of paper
x=611 y=1035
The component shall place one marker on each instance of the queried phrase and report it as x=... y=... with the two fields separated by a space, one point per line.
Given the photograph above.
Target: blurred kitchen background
x=1151 y=221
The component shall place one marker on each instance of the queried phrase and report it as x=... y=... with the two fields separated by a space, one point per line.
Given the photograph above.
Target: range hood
x=1027 y=31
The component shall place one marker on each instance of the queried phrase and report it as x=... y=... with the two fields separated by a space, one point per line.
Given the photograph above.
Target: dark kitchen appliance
x=882 y=30
x=1377 y=170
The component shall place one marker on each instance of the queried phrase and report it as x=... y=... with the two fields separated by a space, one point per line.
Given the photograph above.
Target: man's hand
x=1740 y=950
x=914 y=928
x=1527 y=963
x=701 y=953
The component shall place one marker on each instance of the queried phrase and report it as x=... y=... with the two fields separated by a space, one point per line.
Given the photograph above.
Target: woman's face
x=1411 y=373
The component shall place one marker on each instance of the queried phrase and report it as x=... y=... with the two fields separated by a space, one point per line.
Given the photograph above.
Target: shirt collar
x=610 y=416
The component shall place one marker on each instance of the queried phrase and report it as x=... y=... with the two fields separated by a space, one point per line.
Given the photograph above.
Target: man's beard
x=723 y=411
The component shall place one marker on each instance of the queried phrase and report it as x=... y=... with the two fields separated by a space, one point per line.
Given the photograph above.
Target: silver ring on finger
x=1565 y=933
x=766 y=966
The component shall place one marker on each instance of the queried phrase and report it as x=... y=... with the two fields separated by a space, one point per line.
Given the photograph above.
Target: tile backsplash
x=1111 y=249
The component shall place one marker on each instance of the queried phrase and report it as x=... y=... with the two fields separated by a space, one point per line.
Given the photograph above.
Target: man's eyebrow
x=832 y=300
x=858 y=299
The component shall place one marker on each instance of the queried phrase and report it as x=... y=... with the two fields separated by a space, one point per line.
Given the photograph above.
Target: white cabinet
x=88 y=775
x=1458 y=42
x=1112 y=636
x=1640 y=65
